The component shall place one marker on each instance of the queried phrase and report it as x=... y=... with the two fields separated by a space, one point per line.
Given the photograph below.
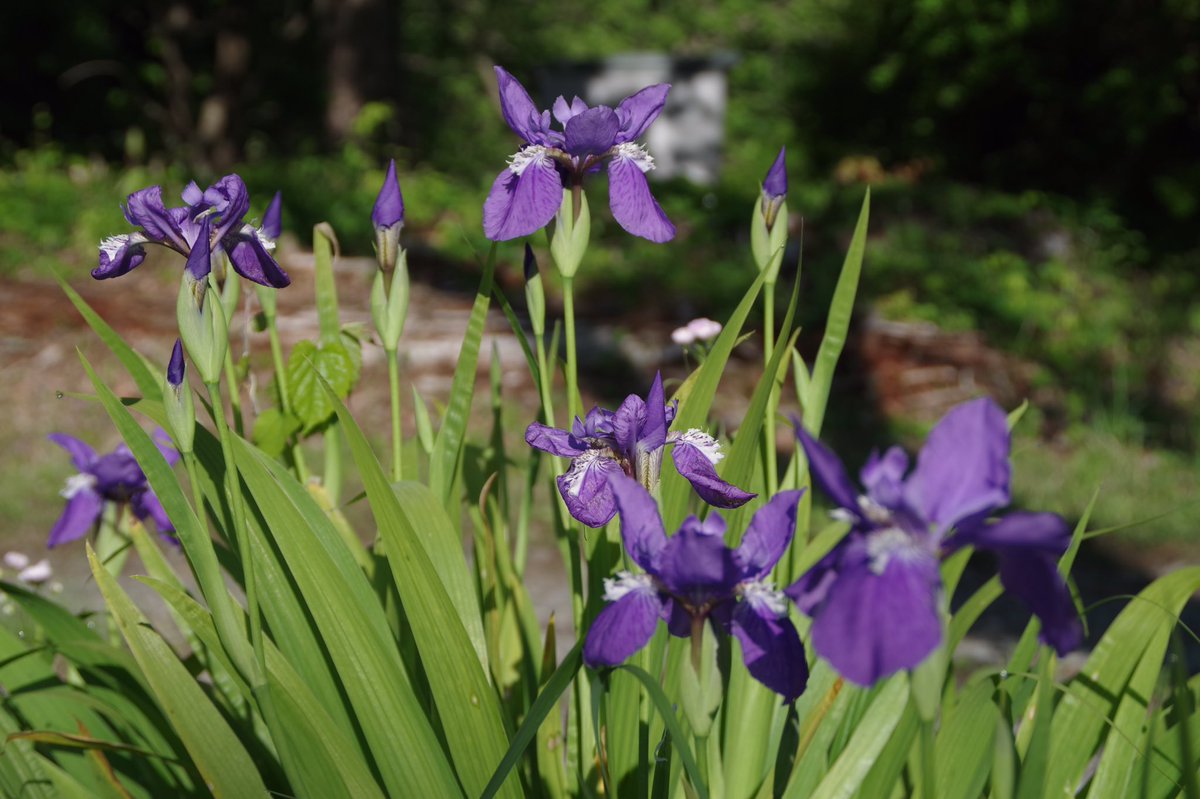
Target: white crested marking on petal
x=579 y=468
x=113 y=245
x=266 y=241
x=874 y=511
x=521 y=160
x=703 y=442
x=843 y=515
x=888 y=543
x=624 y=583
x=763 y=596
x=636 y=153
x=76 y=483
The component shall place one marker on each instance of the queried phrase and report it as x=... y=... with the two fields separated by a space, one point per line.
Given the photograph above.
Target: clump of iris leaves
x=297 y=660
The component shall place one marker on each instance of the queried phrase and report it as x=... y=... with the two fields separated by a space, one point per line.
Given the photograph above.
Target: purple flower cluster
x=113 y=477
x=630 y=441
x=874 y=598
x=527 y=195
x=214 y=214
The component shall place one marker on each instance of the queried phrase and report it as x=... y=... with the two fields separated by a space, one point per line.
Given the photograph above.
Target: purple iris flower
x=692 y=577
x=114 y=477
x=630 y=441
x=222 y=205
x=874 y=597
x=527 y=195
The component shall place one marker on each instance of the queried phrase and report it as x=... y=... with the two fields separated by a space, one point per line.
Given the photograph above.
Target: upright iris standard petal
x=768 y=535
x=963 y=468
x=199 y=261
x=591 y=132
x=524 y=197
x=272 y=226
x=637 y=111
x=876 y=621
x=389 y=204
x=564 y=112
x=633 y=206
x=696 y=566
x=145 y=209
x=230 y=200
x=775 y=185
x=883 y=477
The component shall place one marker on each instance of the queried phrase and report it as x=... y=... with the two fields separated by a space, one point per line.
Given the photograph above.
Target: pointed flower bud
x=768 y=226
x=178 y=403
x=175 y=369
x=272 y=225
x=776 y=183
x=388 y=219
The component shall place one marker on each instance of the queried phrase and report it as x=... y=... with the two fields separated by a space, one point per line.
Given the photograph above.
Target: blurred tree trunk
x=361 y=62
x=217 y=129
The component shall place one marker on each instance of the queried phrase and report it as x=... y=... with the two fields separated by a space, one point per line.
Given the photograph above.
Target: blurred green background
x=1033 y=168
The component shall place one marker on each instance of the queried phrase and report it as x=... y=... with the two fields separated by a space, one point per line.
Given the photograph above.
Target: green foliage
x=308 y=365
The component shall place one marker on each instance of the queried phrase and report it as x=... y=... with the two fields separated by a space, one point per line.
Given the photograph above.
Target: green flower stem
x=333 y=462
x=573 y=401
x=769 y=455
x=235 y=394
x=234 y=490
x=285 y=394
x=212 y=586
x=397 y=433
x=928 y=762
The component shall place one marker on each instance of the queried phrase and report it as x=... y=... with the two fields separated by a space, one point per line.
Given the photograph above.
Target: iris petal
x=963 y=468
x=586 y=491
x=638 y=110
x=82 y=455
x=641 y=525
x=552 y=440
x=768 y=534
x=771 y=649
x=697 y=469
x=828 y=472
x=875 y=623
x=251 y=260
x=622 y=628
x=521 y=203
x=78 y=517
x=632 y=204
